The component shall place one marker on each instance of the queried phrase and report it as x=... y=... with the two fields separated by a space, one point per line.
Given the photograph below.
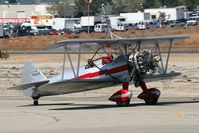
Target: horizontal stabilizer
x=29 y=85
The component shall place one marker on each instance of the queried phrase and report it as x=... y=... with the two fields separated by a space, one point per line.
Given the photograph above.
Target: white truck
x=135 y=17
x=27 y=24
x=90 y=22
x=193 y=21
x=101 y=27
x=59 y=23
x=115 y=21
x=38 y=21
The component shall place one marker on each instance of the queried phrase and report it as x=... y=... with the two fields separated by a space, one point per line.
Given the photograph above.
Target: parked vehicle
x=8 y=25
x=153 y=25
x=193 y=21
x=143 y=25
x=26 y=25
x=22 y=32
x=121 y=27
x=40 y=32
x=177 y=24
x=132 y=26
x=85 y=29
x=5 y=32
x=54 y=32
x=65 y=31
x=77 y=31
x=101 y=28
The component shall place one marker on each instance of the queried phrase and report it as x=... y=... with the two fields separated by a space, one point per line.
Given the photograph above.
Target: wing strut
x=160 y=55
x=71 y=64
x=79 y=55
x=64 y=62
x=168 y=55
x=164 y=67
x=76 y=74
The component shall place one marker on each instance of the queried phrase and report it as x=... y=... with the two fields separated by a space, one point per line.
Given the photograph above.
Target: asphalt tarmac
x=82 y=114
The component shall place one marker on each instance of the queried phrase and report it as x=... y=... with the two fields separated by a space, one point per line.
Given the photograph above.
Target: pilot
x=107 y=59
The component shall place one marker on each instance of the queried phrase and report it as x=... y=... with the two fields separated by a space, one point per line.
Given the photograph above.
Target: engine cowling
x=144 y=61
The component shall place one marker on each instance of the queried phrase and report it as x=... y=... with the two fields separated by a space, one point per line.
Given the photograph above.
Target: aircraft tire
x=123 y=104
x=151 y=101
x=35 y=102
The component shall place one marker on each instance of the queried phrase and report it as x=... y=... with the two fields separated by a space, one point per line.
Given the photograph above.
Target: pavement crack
x=56 y=120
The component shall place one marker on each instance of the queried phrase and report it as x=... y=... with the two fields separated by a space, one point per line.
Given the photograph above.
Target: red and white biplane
x=125 y=60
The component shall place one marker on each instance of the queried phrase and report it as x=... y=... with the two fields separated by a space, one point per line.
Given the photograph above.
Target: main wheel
x=151 y=101
x=123 y=104
x=35 y=102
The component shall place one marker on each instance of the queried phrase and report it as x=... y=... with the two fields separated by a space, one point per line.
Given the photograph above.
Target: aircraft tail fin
x=31 y=73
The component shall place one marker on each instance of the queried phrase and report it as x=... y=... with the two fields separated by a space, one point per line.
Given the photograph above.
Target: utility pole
x=88 y=10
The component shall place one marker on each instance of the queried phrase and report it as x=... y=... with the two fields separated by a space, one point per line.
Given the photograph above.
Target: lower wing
x=151 y=78
x=72 y=86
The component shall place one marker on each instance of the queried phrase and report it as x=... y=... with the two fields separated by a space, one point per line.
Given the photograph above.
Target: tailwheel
x=123 y=103
x=151 y=101
x=35 y=102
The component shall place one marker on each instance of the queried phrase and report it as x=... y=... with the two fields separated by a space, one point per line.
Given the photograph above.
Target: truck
x=88 y=22
x=36 y=21
x=5 y=32
x=170 y=14
x=27 y=25
x=135 y=17
x=116 y=22
x=101 y=27
x=59 y=23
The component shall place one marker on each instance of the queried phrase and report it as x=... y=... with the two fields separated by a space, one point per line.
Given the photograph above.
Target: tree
x=134 y=5
x=190 y=4
x=81 y=7
x=59 y=8
x=118 y=7
x=12 y=1
x=128 y=6
x=152 y=4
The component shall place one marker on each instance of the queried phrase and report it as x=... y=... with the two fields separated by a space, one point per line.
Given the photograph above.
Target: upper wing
x=74 y=43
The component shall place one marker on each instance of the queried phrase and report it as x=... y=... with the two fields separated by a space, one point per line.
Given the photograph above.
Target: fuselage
x=117 y=68
x=101 y=74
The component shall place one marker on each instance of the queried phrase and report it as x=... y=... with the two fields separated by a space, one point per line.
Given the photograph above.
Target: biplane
x=117 y=61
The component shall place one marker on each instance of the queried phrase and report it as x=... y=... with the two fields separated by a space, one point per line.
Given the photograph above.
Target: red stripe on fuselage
x=107 y=72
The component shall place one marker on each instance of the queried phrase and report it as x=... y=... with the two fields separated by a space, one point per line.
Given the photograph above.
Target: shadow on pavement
x=102 y=106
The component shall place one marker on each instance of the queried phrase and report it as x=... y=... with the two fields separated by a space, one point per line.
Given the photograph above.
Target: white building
x=19 y=13
x=168 y=13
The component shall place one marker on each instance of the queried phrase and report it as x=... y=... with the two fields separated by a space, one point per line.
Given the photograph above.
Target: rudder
x=31 y=73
